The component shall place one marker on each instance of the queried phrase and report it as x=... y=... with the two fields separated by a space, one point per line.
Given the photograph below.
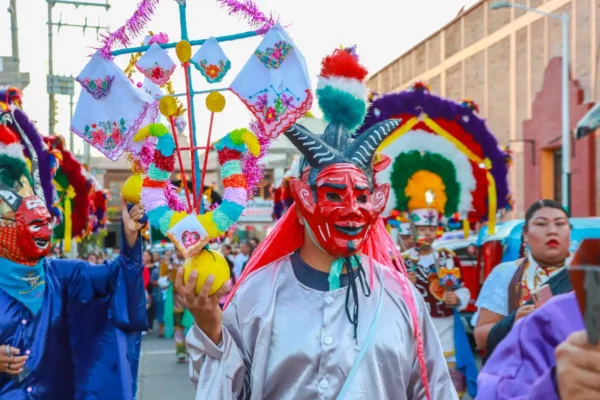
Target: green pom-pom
x=158 y=129
x=341 y=107
x=236 y=136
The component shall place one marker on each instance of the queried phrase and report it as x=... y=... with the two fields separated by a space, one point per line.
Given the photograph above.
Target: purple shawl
x=522 y=366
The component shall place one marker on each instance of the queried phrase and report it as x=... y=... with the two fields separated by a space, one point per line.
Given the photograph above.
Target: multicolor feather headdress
x=42 y=162
x=442 y=148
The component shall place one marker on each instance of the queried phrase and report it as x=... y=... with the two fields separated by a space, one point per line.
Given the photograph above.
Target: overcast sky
x=382 y=30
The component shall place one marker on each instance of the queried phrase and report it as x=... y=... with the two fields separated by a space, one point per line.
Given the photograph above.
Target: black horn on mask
x=363 y=149
x=317 y=153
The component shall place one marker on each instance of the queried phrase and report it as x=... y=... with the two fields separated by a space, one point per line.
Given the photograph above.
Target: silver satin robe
x=283 y=340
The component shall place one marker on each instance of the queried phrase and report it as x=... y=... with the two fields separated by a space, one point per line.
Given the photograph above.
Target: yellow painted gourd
x=132 y=189
x=207 y=263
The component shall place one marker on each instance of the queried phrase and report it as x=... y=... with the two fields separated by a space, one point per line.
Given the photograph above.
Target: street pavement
x=159 y=376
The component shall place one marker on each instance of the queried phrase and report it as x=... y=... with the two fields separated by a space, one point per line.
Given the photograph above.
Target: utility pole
x=15 y=40
x=11 y=72
x=51 y=99
x=58 y=84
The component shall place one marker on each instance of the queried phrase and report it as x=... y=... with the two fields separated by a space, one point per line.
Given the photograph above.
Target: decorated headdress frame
x=447 y=140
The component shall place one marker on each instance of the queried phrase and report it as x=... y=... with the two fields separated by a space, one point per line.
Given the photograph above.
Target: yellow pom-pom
x=207 y=263
x=177 y=216
x=142 y=134
x=209 y=226
x=167 y=106
x=184 y=51
x=215 y=102
x=132 y=189
x=252 y=143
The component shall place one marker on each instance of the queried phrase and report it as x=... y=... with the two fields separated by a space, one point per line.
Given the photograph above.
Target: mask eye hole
x=334 y=197
x=361 y=199
x=34 y=228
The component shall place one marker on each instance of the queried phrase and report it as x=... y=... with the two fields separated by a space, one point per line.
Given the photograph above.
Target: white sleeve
x=494 y=293
x=464 y=296
x=218 y=372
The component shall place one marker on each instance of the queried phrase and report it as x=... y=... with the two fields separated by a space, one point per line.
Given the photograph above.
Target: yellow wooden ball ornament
x=167 y=106
x=215 y=102
x=183 y=49
x=132 y=189
x=207 y=263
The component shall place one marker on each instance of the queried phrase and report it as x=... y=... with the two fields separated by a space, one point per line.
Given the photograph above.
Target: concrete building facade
x=508 y=62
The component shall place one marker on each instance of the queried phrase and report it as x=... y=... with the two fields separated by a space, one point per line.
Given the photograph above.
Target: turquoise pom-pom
x=165 y=222
x=231 y=168
x=226 y=142
x=222 y=220
x=155 y=215
x=158 y=174
x=166 y=145
x=233 y=210
x=341 y=107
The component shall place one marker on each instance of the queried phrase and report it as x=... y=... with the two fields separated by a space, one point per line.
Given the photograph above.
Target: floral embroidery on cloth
x=272 y=107
x=156 y=65
x=98 y=87
x=105 y=134
x=109 y=123
x=276 y=93
x=272 y=57
x=211 y=61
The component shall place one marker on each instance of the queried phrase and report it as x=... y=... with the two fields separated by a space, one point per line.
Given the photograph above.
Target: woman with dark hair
x=506 y=293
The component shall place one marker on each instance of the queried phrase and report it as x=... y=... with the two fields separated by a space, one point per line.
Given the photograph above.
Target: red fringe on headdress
x=343 y=64
x=7 y=136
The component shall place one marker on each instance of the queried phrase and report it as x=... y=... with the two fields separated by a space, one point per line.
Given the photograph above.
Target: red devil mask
x=25 y=227
x=340 y=213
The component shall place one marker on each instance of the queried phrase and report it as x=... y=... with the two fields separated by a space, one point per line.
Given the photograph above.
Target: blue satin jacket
x=82 y=343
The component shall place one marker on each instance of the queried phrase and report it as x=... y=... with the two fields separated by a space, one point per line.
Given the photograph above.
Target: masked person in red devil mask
x=38 y=296
x=320 y=310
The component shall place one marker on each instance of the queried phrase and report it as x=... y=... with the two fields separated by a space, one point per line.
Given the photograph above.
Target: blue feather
x=341 y=107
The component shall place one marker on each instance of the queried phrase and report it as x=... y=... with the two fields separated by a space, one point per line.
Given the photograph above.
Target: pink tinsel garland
x=133 y=27
x=252 y=165
x=173 y=199
x=248 y=10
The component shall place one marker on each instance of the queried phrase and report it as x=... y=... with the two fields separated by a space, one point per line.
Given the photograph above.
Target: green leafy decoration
x=407 y=164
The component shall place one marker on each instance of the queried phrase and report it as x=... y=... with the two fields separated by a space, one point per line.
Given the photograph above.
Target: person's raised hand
x=578 y=368
x=10 y=361
x=205 y=309
x=450 y=298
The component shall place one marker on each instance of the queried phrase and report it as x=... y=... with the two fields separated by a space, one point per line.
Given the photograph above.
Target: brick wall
x=535 y=44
